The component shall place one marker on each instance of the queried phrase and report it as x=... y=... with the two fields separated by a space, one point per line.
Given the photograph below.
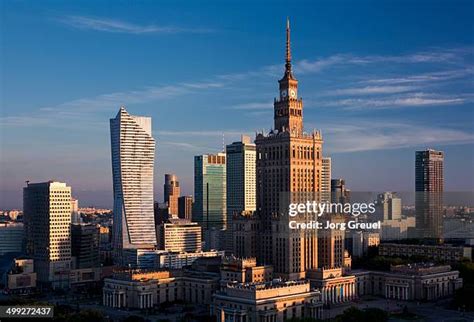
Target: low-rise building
x=131 y=290
x=421 y=282
x=145 y=289
x=179 y=235
x=267 y=301
x=446 y=253
x=362 y=240
x=21 y=278
x=85 y=277
x=336 y=286
x=244 y=270
x=140 y=258
x=171 y=260
x=150 y=259
x=397 y=229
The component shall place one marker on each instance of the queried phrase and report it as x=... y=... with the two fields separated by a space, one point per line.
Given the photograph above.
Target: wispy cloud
x=203 y=85
x=148 y=94
x=410 y=87
x=120 y=26
x=253 y=106
x=369 y=90
x=438 y=76
x=450 y=56
x=265 y=71
x=208 y=133
x=186 y=146
x=425 y=57
x=367 y=136
x=23 y=120
x=84 y=107
x=409 y=100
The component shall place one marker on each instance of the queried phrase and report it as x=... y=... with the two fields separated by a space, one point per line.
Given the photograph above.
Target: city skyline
x=351 y=199
x=377 y=97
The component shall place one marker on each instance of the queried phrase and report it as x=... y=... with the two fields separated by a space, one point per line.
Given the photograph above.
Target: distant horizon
x=454 y=198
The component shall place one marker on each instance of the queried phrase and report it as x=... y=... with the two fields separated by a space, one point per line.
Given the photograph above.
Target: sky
x=380 y=79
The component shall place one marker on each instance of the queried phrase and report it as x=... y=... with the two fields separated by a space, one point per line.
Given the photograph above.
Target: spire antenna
x=288 y=44
x=288 y=71
x=223 y=141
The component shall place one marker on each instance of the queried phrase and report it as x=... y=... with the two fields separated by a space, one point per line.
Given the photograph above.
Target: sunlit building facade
x=210 y=191
x=47 y=219
x=289 y=160
x=172 y=191
x=241 y=182
x=429 y=187
x=326 y=179
x=133 y=155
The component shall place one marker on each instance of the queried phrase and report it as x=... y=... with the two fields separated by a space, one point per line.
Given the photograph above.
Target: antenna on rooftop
x=223 y=142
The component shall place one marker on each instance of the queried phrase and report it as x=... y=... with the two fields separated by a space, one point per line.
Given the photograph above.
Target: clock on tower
x=288 y=114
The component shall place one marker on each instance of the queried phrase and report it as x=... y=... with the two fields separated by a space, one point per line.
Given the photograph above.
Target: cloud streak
x=184 y=146
x=383 y=87
x=424 y=57
x=252 y=106
x=439 y=76
x=409 y=100
x=85 y=107
x=371 y=90
x=367 y=136
x=119 y=26
x=209 y=133
x=450 y=56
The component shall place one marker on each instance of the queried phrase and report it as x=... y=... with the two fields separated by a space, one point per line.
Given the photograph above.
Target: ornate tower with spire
x=289 y=166
x=288 y=107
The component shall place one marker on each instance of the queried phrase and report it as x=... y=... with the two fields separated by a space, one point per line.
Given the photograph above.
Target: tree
x=354 y=314
x=87 y=316
x=134 y=318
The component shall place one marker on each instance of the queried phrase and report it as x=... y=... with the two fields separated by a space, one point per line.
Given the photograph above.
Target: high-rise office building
x=161 y=212
x=185 y=207
x=85 y=244
x=288 y=160
x=429 y=187
x=241 y=182
x=12 y=236
x=326 y=179
x=339 y=192
x=209 y=208
x=133 y=155
x=172 y=192
x=47 y=219
x=388 y=206
x=75 y=215
x=179 y=235
x=210 y=191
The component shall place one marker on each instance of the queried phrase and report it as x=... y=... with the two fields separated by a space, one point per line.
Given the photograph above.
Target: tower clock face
x=284 y=93
x=293 y=93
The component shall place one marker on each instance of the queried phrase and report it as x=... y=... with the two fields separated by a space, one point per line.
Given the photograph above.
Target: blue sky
x=381 y=79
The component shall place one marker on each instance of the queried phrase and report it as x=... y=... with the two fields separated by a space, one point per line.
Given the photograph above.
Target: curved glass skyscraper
x=133 y=154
